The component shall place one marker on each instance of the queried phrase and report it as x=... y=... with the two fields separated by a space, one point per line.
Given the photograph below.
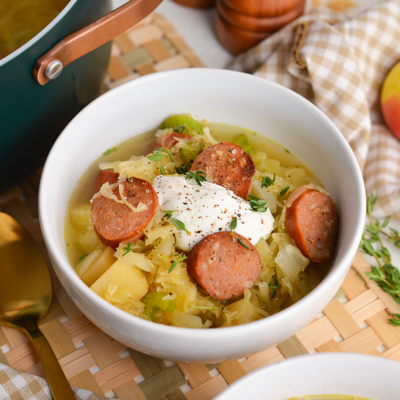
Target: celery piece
x=243 y=142
x=185 y=122
x=190 y=150
x=154 y=302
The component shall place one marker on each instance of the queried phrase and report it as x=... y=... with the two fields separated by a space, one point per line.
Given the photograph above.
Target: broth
x=21 y=20
x=137 y=145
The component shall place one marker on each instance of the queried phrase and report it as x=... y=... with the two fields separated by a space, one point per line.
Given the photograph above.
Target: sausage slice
x=115 y=222
x=168 y=141
x=312 y=223
x=228 y=165
x=222 y=266
x=106 y=176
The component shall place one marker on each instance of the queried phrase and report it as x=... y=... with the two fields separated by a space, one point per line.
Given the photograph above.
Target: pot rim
x=37 y=37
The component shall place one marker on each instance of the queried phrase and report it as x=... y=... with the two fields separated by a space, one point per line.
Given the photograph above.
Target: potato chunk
x=129 y=279
x=99 y=267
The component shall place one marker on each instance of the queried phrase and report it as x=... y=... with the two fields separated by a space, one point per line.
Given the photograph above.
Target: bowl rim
x=197 y=334
x=301 y=360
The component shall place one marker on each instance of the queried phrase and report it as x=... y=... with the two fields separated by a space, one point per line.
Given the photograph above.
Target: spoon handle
x=59 y=386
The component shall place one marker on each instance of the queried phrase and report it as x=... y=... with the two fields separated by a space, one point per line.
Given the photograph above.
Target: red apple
x=390 y=100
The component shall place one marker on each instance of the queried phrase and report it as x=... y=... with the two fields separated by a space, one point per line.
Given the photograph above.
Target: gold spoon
x=25 y=296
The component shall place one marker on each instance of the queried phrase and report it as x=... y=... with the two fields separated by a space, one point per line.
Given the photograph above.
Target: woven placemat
x=355 y=320
x=153 y=45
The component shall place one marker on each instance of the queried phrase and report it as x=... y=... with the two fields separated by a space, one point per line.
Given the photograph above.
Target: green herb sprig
x=274 y=287
x=267 y=181
x=127 y=249
x=257 y=204
x=284 y=191
x=159 y=153
x=109 y=151
x=182 y=257
x=198 y=176
x=179 y=224
x=82 y=257
x=232 y=227
x=385 y=274
x=183 y=169
x=168 y=214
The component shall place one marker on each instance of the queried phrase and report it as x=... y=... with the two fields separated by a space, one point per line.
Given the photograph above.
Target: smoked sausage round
x=312 y=223
x=106 y=176
x=115 y=222
x=228 y=165
x=222 y=266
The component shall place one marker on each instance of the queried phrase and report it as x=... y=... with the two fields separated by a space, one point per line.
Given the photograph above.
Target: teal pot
x=32 y=115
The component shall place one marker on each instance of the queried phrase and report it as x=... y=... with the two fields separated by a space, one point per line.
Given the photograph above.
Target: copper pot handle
x=76 y=45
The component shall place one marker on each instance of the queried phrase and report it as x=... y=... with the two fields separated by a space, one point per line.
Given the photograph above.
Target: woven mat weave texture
x=355 y=321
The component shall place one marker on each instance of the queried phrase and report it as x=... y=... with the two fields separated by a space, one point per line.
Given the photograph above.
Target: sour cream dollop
x=208 y=209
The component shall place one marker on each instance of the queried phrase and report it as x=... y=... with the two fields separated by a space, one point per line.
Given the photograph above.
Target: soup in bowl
x=207 y=95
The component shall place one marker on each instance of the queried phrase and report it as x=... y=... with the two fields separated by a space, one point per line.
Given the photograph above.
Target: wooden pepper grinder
x=241 y=24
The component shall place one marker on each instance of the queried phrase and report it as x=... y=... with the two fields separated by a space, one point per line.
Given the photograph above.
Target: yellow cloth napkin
x=15 y=385
x=339 y=64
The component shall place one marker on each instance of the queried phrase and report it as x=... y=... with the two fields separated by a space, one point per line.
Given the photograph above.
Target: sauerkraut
x=173 y=298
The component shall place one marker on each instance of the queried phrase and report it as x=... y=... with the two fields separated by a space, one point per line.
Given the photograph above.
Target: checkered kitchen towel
x=15 y=385
x=339 y=64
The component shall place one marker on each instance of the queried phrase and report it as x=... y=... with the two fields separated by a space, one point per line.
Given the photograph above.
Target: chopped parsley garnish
x=179 y=224
x=182 y=169
x=267 y=181
x=127 y=249
x=284 y=191
x=198 y=176
x=233 y=224
x=287 y=151
x=82 y=257
x=257 y=204
x=274 y=286
x=109 y=151
x=168 y=214
x=162 y=170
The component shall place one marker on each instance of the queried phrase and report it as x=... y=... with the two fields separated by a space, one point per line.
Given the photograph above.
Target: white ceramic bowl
x=370 y=377
x=222 y=96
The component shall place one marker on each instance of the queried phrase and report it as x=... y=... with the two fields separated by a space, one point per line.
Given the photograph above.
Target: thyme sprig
x=127 y=248
x=183 y=169
x=385 y=274
x=274 y=287
x=267 y=181
x=198 y=176
x=232 y=227
x=257 y=204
